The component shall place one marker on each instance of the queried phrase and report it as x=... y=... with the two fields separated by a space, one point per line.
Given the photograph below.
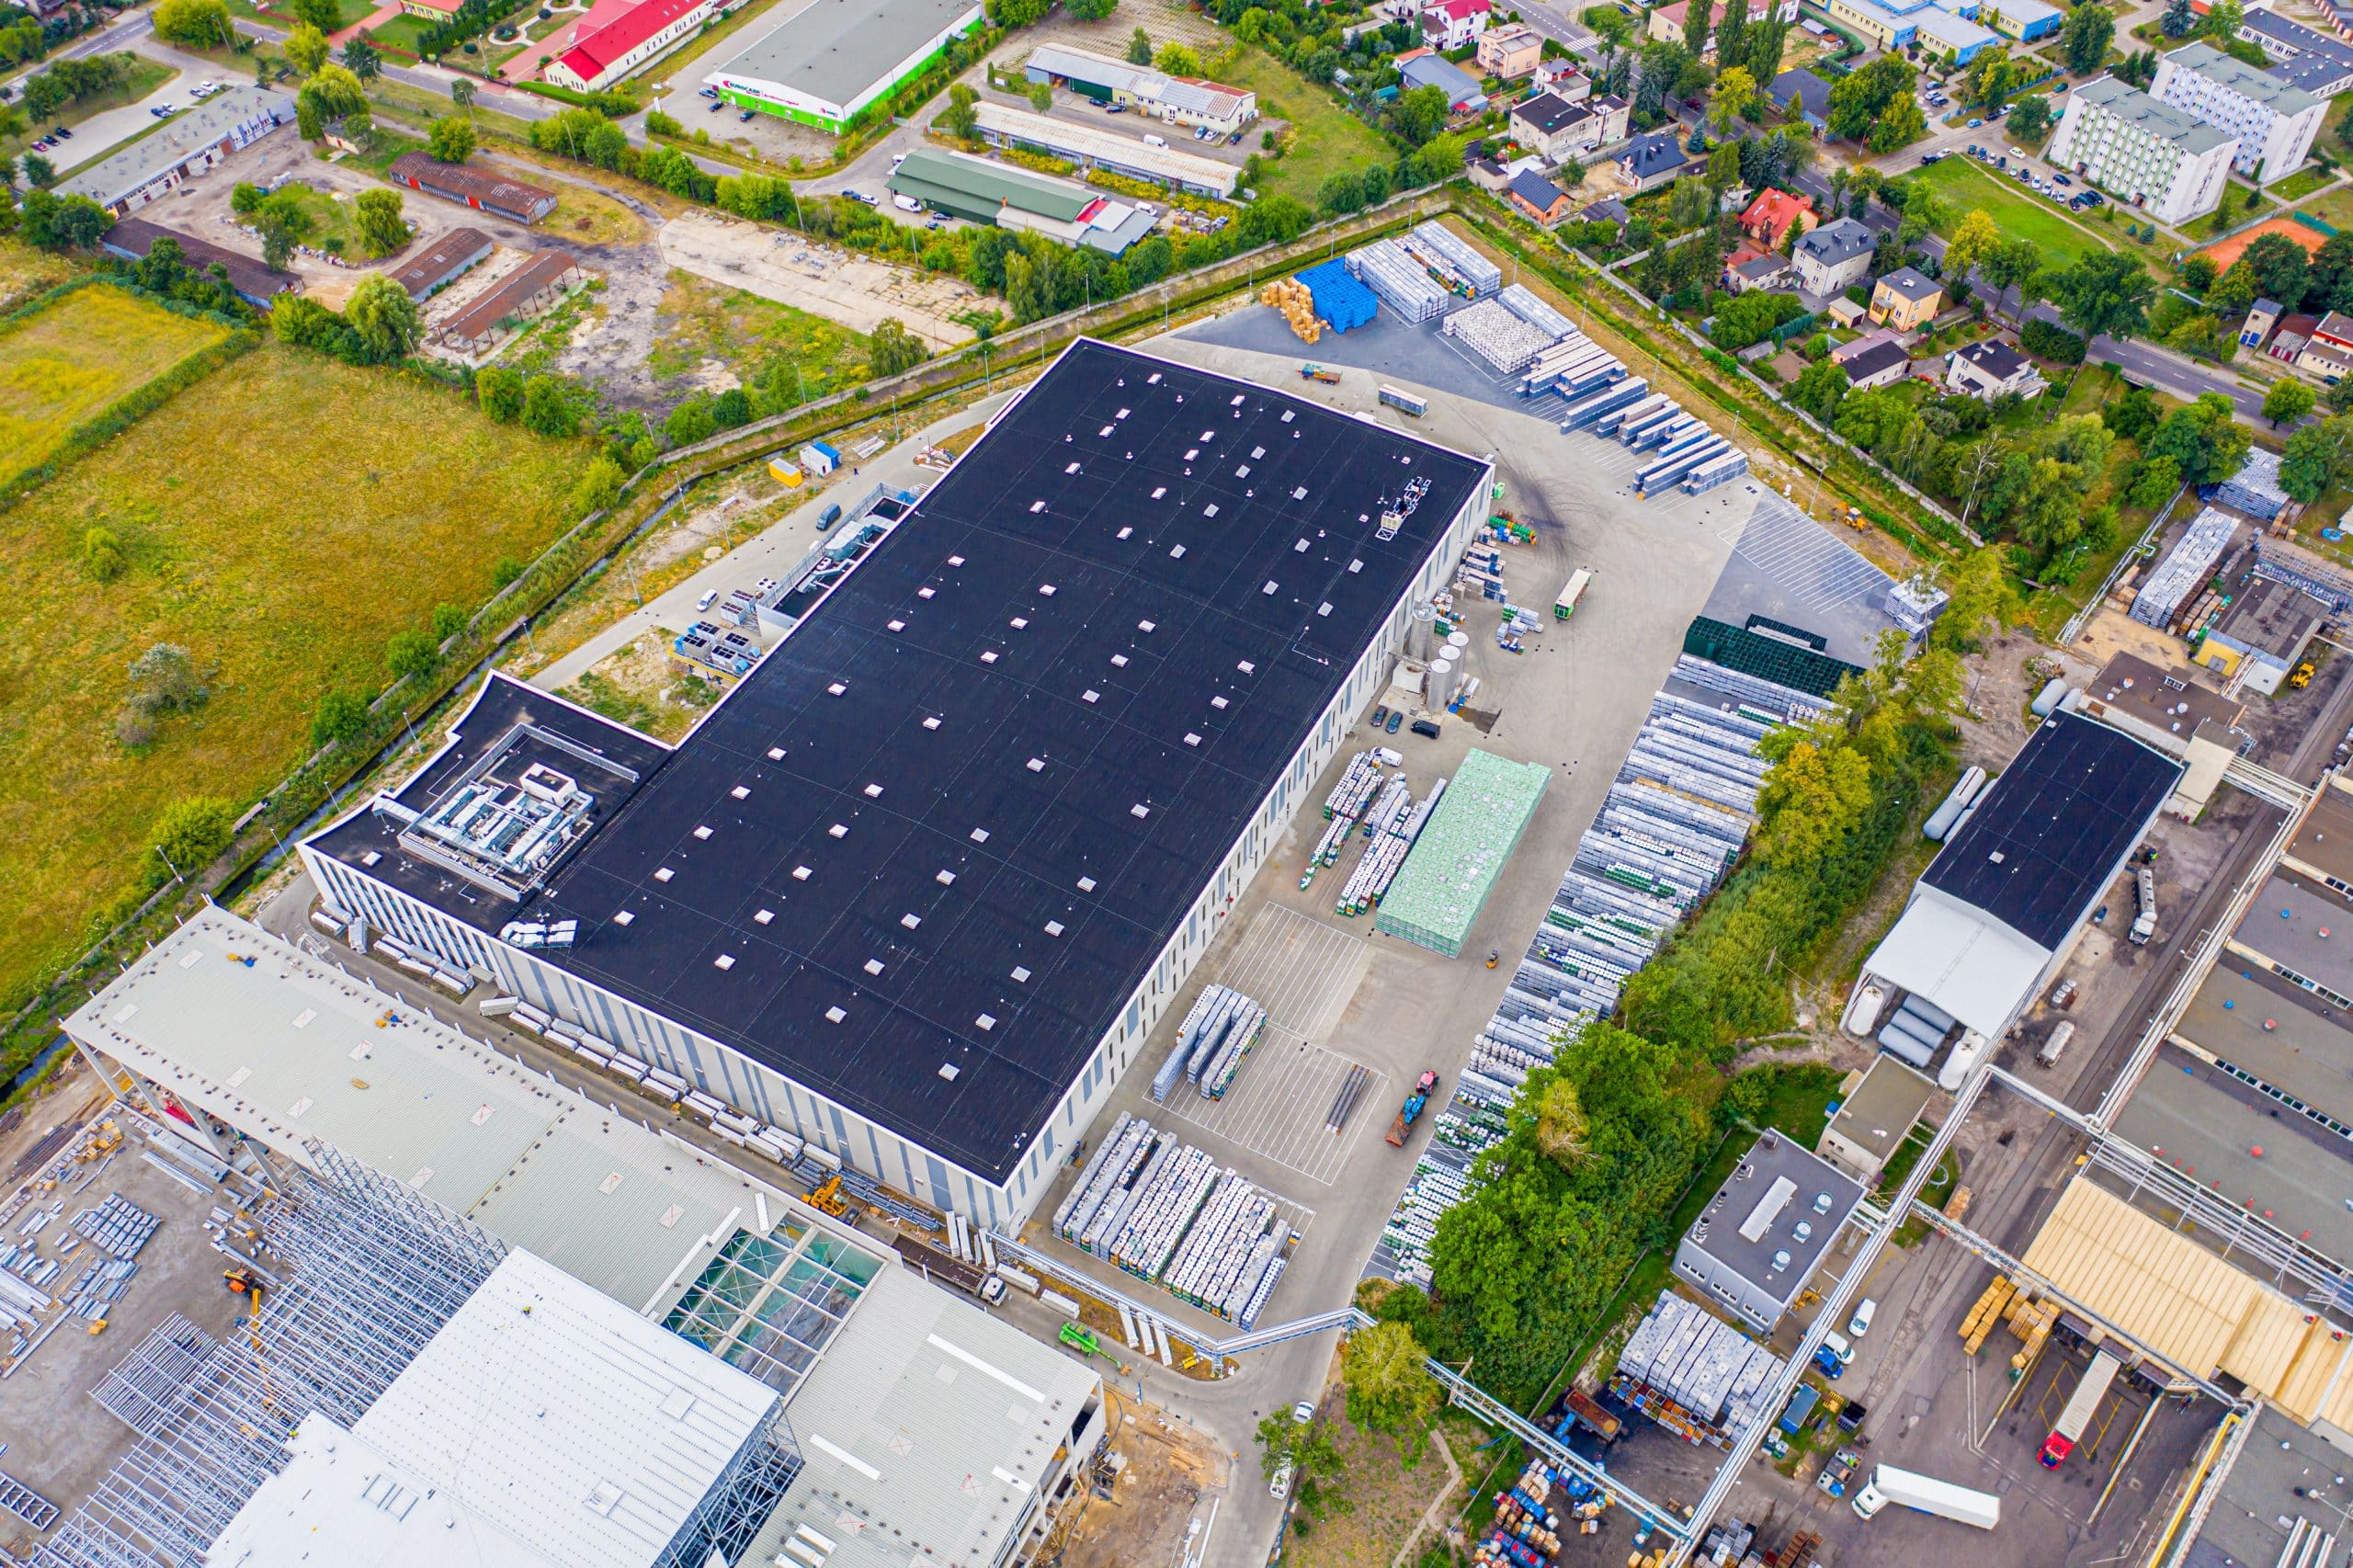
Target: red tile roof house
x=1450 y=24
x=1770 y=217
x=602 y=56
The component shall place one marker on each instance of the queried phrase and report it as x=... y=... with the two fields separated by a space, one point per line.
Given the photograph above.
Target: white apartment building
x=2274 y=122
x=2151 y=155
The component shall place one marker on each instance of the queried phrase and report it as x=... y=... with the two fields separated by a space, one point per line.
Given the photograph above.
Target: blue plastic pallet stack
x=1340 y=300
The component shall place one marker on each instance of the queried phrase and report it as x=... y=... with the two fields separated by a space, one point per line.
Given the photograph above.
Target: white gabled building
x=2274 y=122
x=2155 y=156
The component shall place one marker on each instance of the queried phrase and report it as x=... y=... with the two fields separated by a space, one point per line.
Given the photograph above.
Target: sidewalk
x=777 y=549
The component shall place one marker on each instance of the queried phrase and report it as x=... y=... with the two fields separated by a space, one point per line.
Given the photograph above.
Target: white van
x=1151 y=141
x=709 y=596
x=906 y=204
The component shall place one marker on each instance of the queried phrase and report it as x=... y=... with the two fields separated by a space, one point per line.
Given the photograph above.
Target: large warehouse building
x=920 y=886
x=823 y=63
x=2001 y=905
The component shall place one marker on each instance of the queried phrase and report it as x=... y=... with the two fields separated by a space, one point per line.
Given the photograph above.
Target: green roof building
x=982 y=191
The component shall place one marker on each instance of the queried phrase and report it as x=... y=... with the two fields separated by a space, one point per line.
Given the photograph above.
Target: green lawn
x=350 y=11
x=330 y=219
x=75 y=357
x=1967 y=188
x=2336 y=209
x=401 y=32
x=1326 y=138
x=2301 y=183
x=703 y=322
x=280 y=563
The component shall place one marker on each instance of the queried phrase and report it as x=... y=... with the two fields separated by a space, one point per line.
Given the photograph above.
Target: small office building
x=980 y=191
x=1767 y=1230
x=1880 y=1106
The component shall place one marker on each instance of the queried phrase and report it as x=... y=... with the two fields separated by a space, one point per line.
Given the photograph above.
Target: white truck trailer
x=1929 y=1495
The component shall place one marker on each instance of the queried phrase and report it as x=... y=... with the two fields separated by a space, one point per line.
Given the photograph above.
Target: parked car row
x=57 y=136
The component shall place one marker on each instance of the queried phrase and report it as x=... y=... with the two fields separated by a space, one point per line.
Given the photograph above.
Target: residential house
x=1906 y=299
x=1450 y=24
x=1834 y=257
x=2328 y=353
x=1767 y=270
x=1511 y=52
x=1805 y=96
x=2151 y=155
x=1539 y=198
x=601 y=57
x=1563 y=80
x=1988 y=369
x=1878 y=366
x=1768 y=218
x=2300 y=56
x=1842 y=352
x=2261 y=317
x=1558 y=129
x=431 y=10
x=1427 y=68
x=1844 y=311
x=2273 y=121
x=2289 y=338
x=1649 y=161
x=1489 y=175
x=473 y=187
x=1609 y=210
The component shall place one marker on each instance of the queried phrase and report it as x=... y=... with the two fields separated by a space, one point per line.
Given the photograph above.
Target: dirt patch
x=642 y=687
x=1164 y=1469
x=842 y=286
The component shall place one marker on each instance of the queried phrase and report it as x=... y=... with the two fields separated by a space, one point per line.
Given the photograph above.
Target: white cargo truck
x=2144 y=893
x=1929 y=1495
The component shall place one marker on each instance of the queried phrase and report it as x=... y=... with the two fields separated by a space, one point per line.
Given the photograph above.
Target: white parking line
x=1276 y=1106
x=1301 y=970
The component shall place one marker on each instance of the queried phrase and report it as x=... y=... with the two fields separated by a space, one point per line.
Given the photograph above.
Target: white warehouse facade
x=920 y=886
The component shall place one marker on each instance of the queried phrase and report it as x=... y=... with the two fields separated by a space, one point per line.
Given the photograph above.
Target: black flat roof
x=1002 y=759
x=2051 y=830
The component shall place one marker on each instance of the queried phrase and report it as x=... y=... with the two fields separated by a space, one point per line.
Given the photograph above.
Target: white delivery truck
x=1929 y=1495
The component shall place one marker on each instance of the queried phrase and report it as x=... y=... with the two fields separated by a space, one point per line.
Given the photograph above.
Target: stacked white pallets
x=1401 y=282
x=1439 y=247
x=1497 y=336
x=1524 y=305
x=2186 y=566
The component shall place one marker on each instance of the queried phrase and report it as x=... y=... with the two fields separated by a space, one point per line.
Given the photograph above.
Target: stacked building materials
x=1438 y=893
x=1229 y=1031
x=1452 y=262
x=1340 y=300
x=117 y=1227
x=1498 y=335
x=1359 y=782
x=1398 y=280
x=1694 y=1373
x=1296 y=305
x=1162 y=1210
x=2185 y=569
x=1574 y=367
x=1612 y=398
x=1392 y=825
x=1523 y=303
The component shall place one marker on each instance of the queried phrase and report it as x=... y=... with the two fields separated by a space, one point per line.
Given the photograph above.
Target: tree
x=189 y=834
x=1901 y=123
x=62 y=222
x=1278 y=218
x=961 y=118
x=323 y=15
x=2205 y=438
x=1695 y=26
x=462 y=93
x=1018 y=13
x=1973 y=239
x=342 y=717
x=2155 y=479
x=1090 y=10
x=451 y=139
x=1735 y=99
x=1139 y=48
x=1811 y=799
x=1764 y=45
x=306 y=47
x=384 y=317
x=1388 y=1382
x=1724 y=166
x=1029 y=289
x=2222 y=19
x=892 y=348
x=2084 y=38
x=377 y=222
x=1420 y=114
x=2317 y=457
x=2177 y=19
x=2279 y=266
x=359 y=58
x=163 y=680
x=1041 y=96
x=2009 y=265
x=282 y=223
x=1980 y=601
x=1860 y=98
x=1820 y=388
x=2287 y=401
x=2106 y=294
x=548 y=410
x=40 y=173
x=2198 y=274
x=102 y=555
x=1177 y=59
x=2030 y=117
x=1608 y=24
x=199 y=24
x=1340 y=192
x=411 y=651
x=1314 y=1459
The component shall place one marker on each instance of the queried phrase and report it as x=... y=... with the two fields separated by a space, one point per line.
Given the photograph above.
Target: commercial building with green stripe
x=830 y=58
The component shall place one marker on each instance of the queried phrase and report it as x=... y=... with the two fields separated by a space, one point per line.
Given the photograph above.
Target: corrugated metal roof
x=290 y=1049
x=567 y=1420
x=927 y=1428
x=979 y=179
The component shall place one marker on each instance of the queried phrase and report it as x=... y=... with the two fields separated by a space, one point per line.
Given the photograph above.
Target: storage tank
x=1441 y=685
x=2048 y=697
x=1458 y=641
x=1421 y=633
x=1863 y=1011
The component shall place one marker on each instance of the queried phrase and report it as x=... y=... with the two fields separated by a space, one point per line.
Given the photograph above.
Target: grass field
x=589 y=218
x=70 y=361
x=2301 y=183
x=352 y=503
x=1967 y=188
x=25 y=272
x=1326 y=138
x=146 y=75
x=703 y=322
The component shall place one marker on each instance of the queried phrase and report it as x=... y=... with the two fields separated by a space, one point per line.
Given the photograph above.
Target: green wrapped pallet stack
x=1461 y=850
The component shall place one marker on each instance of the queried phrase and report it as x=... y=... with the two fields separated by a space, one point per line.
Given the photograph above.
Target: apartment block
x=2157 y=157
x=2273 y=122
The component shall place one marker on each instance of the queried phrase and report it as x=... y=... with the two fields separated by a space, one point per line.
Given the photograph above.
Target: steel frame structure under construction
x=367 y=1272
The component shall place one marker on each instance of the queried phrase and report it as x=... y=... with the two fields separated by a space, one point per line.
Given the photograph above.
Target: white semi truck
x=1929 y=1495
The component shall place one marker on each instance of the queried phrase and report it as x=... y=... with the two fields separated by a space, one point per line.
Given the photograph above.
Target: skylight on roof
x=1143 y=626
x=955 y=561
x=1176 y=552
x=1218 y=702
x=1037 y=506
x=1138 y=811
x=898 y=626
x=931 y=721
x=625 y=917
x=1073 y=467
x=909 y=921
x=945 y=878
x=979 y=835
x=1036 y=765
x=924 y=593
x=702 y=832
x=776 y=754
x=874 y=966
x=724 y=960
x=986 y=1022
x=1021 y=623
x=1119 y=661
x=1191 y=739
x=947 y=1071
x=839 y=830
x=834 y=1015
x=801 y=873
x=1123 y=533
x=1053 y=927
x=1087 y=884
x=763 y=917
x=1020 y=973
x=988 y=656
x=741 y=792
x=837 y=690
x=1045 y=590
x=1245 y=666
x=1158 y=491
x=664 y=874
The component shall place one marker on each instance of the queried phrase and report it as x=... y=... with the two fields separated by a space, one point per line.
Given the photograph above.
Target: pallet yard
x=1439 y=892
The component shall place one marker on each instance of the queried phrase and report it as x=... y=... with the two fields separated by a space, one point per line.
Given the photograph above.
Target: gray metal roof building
x=824 y=61
x=189 y=143
x=1757 y=1243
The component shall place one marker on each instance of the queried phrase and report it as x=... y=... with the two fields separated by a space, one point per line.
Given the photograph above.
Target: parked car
x=1836 y=1344
x=1394 y=720
x=2061 y=179
x=1425 y=728
x=1975 y=123
x=907 y=203
x=1115 y=109
x=859 y=195
x=1933 y=158
x=717 y=103
x=1860 y=1323
x=1279 y=1488
x=745 y=117
x=58 y=130
x=710 y=92
x=709 y=597
x=1380 y=715
x=1303 y=1412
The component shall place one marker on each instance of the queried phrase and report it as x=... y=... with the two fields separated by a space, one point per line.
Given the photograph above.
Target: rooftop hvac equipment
x=2185 y=567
